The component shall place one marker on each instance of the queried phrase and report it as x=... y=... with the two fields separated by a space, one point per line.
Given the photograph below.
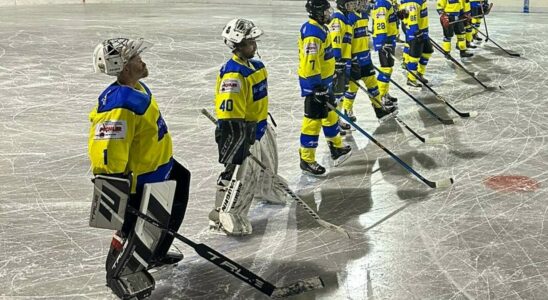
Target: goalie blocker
x=142 y=245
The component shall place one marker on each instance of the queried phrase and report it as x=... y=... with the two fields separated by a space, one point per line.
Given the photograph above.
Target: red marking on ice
x=511 y=183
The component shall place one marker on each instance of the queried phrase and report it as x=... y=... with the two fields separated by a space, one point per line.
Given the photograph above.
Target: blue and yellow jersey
x=129 y=135
x=360 y=37
x=416 y=23
x=466 y=8
x=241 y=93
x=476 y=3
x=341 y=32
x=385 y=27
x=423 y=20
x=316 y=61
x=449 y=7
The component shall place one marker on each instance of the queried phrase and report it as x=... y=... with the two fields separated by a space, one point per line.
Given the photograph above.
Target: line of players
x=334 y=56
x=129 y=138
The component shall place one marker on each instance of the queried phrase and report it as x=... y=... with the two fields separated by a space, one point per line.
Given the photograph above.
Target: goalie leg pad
x=238 y=196
x=127 y=274
x=181 y=175
x=267 y=187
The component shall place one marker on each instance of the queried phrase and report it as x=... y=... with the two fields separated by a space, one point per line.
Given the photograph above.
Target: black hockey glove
x=321 y=94
x=402 y=14
x=234 y=138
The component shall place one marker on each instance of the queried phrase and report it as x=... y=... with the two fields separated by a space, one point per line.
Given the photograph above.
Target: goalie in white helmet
x=129 y=139
x=241 y=106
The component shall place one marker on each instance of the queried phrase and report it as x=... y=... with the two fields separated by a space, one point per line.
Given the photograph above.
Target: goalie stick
x=235 y=269
x=437 y=140
x=433 y=184
x=281 y=183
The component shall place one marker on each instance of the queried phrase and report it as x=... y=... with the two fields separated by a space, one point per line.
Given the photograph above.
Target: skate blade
x=337 y=162
x=314 y=175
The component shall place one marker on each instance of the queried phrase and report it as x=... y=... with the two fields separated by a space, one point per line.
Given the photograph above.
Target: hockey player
x=415 y=18
x=316 y=69
x=479 y=9
x=385 y=31
x=451 y=12
x=467 y=17
x=241 y=105
x=129 y=139
x=340 y=32
x=361 y=68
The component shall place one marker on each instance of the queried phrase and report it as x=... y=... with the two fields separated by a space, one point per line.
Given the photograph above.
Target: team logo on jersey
x=311 y=48
x=110 y=130
x=162 y=127
x=335 y=27
x=412 y=8
x=230 y=86
x=260 y=90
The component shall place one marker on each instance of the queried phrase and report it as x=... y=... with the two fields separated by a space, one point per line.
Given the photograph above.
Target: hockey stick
x=462 y=20
x=401 y=122
x=484 y=22
x=439 y=97
x=507 y=52
x=237 y=270
x=433 y=114
x=433 y=184
x=473 y=75
x=280 y=182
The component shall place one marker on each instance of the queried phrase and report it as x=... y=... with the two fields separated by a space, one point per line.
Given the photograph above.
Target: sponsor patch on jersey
x=411 y=8
x=110 y=130
x=311 y=48
x=335 y=27
x=230 y=86
x=380 y=14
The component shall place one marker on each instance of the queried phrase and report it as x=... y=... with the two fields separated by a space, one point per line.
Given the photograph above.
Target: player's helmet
x=362 y=5
x=347 y=5
x=110 y=56
x=319 y=10
x=238 y=29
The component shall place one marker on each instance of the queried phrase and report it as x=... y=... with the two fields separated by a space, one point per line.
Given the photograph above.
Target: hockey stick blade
x=444 y=183
x=471 y=114
x=310 y=211
x=286 y=188
x=434 y=141
x=372 y=139
x=298 y=287
x=333 y=227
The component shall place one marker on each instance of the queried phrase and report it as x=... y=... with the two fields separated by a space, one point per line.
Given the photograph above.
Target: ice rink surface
x=408 y=241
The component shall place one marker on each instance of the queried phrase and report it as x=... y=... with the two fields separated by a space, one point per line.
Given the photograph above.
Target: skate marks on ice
x=408 y=242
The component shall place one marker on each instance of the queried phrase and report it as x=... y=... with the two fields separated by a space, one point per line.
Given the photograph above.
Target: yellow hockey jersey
x=341 y=32
x=416 y=23
x=450 y=7
x=385 y=27
x=129 y=135
x=316 y=61
x=241 y=92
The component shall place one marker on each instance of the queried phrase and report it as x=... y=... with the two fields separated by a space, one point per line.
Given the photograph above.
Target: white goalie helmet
x=238 y=29
x=110 y=56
